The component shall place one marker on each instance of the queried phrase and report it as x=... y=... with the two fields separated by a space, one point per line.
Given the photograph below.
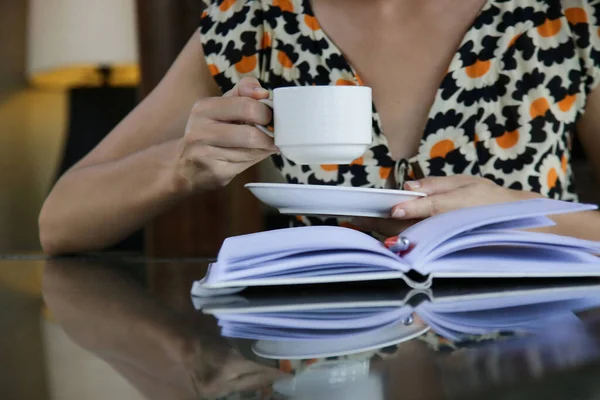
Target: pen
x=397 y=244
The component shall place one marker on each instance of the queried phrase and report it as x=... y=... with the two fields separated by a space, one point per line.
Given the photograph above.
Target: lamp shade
x=69 y=40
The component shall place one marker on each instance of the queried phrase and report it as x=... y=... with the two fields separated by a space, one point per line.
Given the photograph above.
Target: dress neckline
x=308 y=10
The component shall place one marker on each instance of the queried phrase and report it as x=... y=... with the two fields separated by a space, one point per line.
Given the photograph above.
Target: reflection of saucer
x=319 y=348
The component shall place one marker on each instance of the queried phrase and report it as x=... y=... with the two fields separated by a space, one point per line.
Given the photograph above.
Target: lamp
x=75 y=43
x=89 y=49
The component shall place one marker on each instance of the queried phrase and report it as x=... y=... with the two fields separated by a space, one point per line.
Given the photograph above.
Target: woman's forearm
x=97 y=205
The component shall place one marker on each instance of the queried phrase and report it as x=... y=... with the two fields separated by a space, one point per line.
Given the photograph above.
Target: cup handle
x=269 y=103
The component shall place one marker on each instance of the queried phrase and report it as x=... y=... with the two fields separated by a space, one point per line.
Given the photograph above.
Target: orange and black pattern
x=505 y=110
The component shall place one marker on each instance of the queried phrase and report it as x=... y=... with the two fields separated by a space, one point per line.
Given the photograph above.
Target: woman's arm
x=125 y=180
x=179 y=140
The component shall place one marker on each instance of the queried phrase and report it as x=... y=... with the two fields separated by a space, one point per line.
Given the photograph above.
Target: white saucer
x=298 y=199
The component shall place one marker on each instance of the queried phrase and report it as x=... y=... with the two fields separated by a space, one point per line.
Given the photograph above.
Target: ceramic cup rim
x=322 y=87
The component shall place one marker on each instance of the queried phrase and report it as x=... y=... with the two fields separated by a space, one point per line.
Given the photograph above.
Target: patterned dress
x=506 y=108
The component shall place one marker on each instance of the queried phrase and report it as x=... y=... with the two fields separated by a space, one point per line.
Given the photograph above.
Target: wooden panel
x=198 y=226
x=13 y=24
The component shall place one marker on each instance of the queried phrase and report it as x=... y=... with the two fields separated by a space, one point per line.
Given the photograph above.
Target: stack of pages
x=493 y=241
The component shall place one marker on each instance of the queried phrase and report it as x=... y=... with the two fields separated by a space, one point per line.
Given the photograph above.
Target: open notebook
x=329 y=325
x=485 y=242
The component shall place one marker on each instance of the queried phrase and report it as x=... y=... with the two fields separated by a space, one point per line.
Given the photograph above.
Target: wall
x=31 y=134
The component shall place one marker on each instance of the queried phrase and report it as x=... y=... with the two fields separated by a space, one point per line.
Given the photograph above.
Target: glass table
x=118 y=327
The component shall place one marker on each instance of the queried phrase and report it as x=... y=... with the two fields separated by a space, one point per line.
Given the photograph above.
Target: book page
x=496 y=238
x=431 y=232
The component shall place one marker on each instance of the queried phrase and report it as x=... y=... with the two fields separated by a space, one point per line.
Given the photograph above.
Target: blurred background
x=70 y=71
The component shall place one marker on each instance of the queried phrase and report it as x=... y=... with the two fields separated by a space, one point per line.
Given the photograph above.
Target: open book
x=479 y=242
x=329 y=325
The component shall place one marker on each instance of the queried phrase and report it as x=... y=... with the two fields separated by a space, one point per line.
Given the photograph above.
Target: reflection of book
x=286 y=327
x=485 y=242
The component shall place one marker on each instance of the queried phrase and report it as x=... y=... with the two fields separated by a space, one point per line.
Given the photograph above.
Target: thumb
x=248 y=87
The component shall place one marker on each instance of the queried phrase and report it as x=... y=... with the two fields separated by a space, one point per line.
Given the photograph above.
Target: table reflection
x=515 y=331
x=164 y=353
x=347 y=342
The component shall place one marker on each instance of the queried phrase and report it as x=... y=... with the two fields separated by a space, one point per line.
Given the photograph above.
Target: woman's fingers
x=203 y=153
x=420 y=208
x=444 y=193
x=233 y=136
x=429 y=206
x=439 y=184
x=221 y=139
x=248 y=87
x=231 y=109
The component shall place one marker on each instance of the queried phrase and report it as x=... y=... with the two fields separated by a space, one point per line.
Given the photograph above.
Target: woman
x=475 y=102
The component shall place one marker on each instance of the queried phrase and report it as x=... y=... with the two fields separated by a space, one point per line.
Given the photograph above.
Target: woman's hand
x=220 y=140
x=443 y=194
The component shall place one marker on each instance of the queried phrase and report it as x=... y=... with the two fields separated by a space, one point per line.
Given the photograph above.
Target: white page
x=505 y=238
x=244 y=249
x=319 y=270
x=521 y=223
x=330 y=270
x=515 y=261
x=207 y=286
x=241 y=264
x=431 y=232
x=281 y=253
x=334 y=262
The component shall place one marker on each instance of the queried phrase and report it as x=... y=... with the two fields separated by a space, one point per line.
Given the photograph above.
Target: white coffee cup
x=321 y=124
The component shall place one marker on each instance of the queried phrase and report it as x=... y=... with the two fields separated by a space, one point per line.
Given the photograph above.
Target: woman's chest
x=402 y=59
